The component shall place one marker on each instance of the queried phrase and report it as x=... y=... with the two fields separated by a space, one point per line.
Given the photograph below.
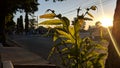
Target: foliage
x=10 y=27
x=74 y=51
x=20 y=5
x=29 y=6
x=12 y=6
x=32 y=23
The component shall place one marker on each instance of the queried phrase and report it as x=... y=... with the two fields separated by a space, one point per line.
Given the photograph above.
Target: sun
x=106 y=22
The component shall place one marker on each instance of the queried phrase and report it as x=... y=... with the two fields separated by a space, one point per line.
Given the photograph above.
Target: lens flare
x=113 y=41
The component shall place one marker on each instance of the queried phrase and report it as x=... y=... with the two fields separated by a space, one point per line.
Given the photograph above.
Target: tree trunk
x=116 y=24
x=2 y=30
x=26 y=23
x=2 y=21
x=113 y=60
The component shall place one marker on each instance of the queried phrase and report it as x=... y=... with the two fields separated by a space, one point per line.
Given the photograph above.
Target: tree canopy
x=20 y=5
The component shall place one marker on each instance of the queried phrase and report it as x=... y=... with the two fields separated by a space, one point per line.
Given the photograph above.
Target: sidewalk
x=21 y=57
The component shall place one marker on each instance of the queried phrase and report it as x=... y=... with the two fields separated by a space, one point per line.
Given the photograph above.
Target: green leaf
x=65 y=35
x=55 y=37
x=64 y=49
x=72 y=31
x=52 y=22
x=100 y=47
x=52 y=51
x=102 y=56
x=78 y=25
x=69 y=42
x=73 y=51
x=66 y=23
x=86 y=18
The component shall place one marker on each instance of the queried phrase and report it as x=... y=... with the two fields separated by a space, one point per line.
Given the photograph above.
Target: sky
x=68 y=8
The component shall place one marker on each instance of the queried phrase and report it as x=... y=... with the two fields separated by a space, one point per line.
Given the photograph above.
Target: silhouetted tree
x=26 y=23
x=10 y=7
x=18 y=22
x=28 y=10
x=20 y=25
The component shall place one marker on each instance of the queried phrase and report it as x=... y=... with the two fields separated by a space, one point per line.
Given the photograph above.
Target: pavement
x=20 y=56
x=37 y=44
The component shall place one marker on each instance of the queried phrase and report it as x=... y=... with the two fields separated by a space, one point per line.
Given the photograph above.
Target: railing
x=7 y=64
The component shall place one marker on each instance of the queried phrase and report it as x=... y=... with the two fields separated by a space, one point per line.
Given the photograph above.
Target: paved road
x=37 y=44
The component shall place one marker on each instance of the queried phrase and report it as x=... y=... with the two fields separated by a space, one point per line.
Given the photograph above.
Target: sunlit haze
x=68 y=8
x=106 y=21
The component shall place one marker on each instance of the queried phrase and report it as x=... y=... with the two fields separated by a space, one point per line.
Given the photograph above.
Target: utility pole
x=37 y=21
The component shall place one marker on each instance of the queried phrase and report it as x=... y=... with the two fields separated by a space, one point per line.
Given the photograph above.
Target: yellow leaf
x=52 y=22
x=49 y=16
x=93 y=7
x=90 y=15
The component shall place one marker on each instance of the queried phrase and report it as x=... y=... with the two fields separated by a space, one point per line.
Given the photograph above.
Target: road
x=37 y=44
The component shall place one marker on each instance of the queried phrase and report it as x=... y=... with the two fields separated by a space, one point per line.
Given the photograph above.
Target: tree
x=20 y=25
x=116 y=24
x=26 y=23
x=28 y=10
x=21 y=22
x=10 y=7
x=113 y=60
x=17 y=28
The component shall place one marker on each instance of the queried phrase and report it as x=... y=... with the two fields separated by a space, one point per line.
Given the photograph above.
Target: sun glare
x=106 y=22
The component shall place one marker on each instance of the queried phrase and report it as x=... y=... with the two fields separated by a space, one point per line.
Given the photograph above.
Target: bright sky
x=68 y=8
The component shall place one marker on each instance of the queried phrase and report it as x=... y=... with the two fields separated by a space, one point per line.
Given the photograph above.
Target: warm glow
x=106 y=22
